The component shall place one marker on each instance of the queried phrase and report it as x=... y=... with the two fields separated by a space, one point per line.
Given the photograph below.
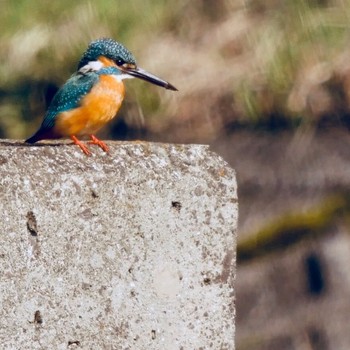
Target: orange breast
x=97 y=108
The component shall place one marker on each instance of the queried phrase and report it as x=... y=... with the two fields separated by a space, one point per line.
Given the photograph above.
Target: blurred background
x=267 y=84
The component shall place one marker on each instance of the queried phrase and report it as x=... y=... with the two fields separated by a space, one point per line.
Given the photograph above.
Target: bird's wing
x=69 y=96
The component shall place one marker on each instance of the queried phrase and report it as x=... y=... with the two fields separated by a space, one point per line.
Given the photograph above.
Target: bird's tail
x=33 y=139
x=42 y=134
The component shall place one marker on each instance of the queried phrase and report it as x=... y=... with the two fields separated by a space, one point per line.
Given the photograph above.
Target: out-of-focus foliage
x=236 y=63
x=292 y=228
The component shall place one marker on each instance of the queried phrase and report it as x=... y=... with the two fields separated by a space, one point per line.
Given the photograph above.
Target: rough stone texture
x=132 y=250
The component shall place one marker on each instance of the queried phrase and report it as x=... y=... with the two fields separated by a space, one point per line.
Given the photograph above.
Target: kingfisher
x=92 y=96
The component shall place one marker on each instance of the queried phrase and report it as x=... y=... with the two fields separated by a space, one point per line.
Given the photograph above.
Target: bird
x=92 y=96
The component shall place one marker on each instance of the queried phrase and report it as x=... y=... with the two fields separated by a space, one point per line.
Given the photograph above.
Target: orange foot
x=96 y=141
x=81 y=145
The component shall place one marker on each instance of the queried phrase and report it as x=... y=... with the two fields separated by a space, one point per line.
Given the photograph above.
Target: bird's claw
x=101 y=144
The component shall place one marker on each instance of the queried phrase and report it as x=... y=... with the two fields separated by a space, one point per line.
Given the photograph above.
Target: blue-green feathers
x=68 y=97
x=107 y=48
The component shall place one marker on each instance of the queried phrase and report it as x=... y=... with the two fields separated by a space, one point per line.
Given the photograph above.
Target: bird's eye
x=119 y=62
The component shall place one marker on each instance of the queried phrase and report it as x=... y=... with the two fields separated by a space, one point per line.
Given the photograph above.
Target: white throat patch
x=95 y=65
x=121 y=77
x=92 y=66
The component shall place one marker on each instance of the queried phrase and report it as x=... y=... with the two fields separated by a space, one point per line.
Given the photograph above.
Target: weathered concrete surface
x=132 y=250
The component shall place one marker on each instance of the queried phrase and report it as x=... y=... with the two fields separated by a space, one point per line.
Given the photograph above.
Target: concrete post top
x=131 y=250
x=65 y=155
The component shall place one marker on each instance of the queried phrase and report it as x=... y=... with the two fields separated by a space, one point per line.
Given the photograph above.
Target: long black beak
x=142 y=74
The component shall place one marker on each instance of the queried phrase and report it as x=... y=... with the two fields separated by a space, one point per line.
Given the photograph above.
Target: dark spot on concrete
x=102 y=290
x=153 y=334
x=31 y=224
x=37 y=317
x=207 y=281
x=87 y=214
x=74 y=342
x=3 y=160
x=94 y=194
x=86 y=286
x=176 y=205
x=198 y=191
x=190 y=326
x=140 y=234
x=205 y=251
x=208 y=278
x=32 y=228
x=207 y=217
x=122 y=330
x=226 y=268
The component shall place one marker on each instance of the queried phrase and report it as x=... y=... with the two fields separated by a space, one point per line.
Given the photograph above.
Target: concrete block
x=132 y=250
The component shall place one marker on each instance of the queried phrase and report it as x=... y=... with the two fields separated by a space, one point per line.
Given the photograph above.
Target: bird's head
x=107 y=52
